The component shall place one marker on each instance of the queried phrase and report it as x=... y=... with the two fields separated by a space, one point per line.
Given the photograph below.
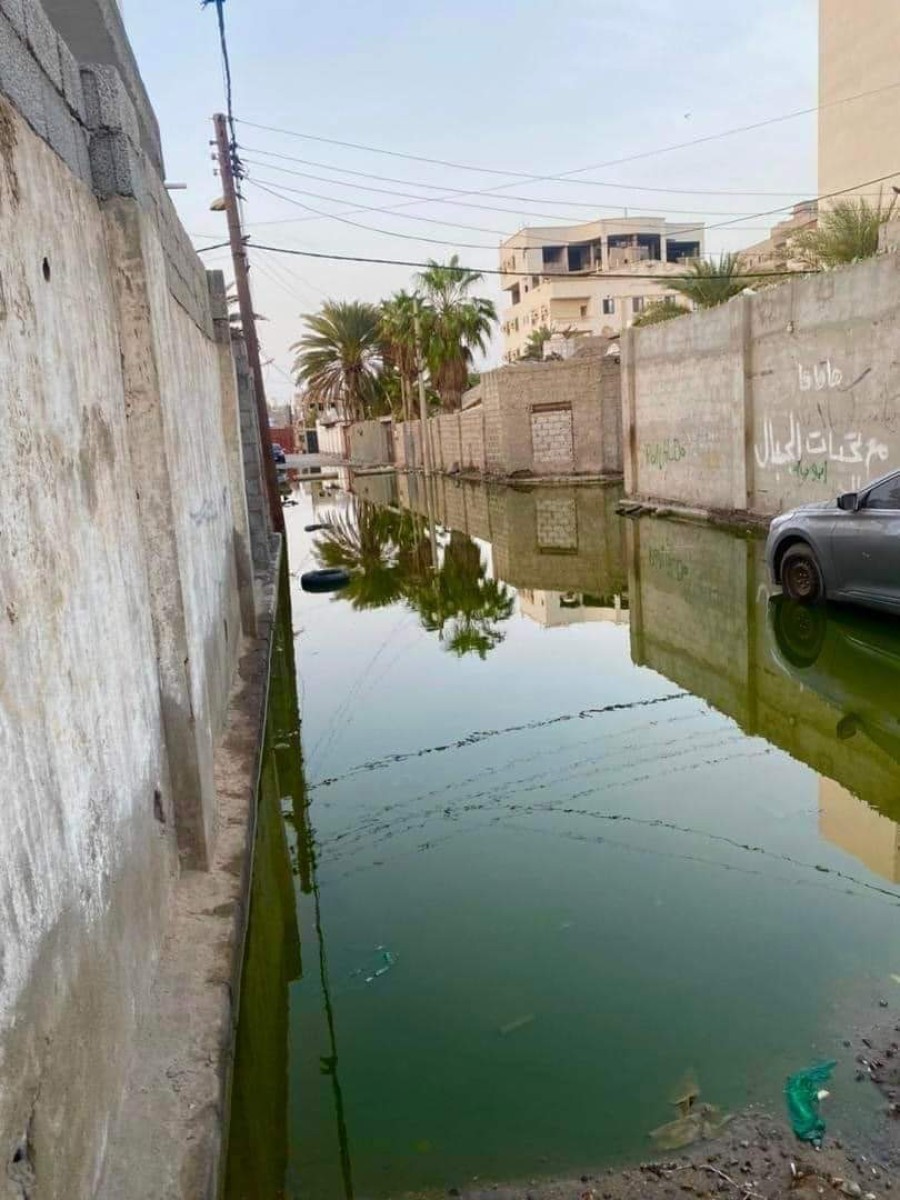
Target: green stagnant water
x=583 y=810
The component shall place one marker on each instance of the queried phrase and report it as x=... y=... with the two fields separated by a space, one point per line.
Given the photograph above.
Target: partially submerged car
x=844 y=549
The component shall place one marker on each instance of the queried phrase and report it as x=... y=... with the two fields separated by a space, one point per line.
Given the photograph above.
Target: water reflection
x=822 y=684
x=576 y=862
x=391 y=556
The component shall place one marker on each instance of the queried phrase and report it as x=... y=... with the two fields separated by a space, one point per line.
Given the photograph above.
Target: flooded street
x=588 y=812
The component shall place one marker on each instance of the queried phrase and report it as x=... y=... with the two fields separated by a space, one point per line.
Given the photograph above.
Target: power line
x=399 y=262
x=700 y=212
x=226 y=66
x=564 y=175
x=407 y=237
x=388 y=210
x=277 y=191
x=437 y=187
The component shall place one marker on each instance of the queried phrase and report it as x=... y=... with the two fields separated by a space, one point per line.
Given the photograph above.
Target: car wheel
x=799 y=631
x=801 y=576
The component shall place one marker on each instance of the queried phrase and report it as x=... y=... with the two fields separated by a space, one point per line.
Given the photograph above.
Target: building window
x=535 y=281
x=637 y=304
x=584 y=311
x=514 y=295
x=609 y=306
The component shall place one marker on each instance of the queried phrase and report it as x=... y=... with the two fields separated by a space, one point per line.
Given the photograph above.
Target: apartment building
x=858 y=44
x=591 y=279
x=778 y=252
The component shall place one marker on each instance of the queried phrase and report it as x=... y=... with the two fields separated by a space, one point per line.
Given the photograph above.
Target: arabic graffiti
x=660 y=454
x=821 y=377
x=816 y=471
x=851 y=448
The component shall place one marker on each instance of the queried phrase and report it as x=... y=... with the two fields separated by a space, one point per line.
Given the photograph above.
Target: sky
x=510 y=86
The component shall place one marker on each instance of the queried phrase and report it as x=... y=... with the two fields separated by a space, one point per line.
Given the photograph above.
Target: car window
x=886 y=495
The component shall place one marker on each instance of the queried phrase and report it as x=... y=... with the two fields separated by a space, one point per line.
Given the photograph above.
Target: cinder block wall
x=123 y=585
x=541 y=419
x=770 y=400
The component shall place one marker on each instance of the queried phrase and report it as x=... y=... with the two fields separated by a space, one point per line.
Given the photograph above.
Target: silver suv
x=844 y=549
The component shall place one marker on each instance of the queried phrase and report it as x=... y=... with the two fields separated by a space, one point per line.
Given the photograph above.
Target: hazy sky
x=522 y=86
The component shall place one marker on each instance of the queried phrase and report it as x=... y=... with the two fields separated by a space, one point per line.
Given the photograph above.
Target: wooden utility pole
x=248 y=319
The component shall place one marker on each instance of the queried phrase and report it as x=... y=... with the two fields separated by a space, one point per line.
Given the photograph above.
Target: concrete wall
x=770 y=400
x=371 y=443
x=546 y=419
x=125 y=580
x=333 y=439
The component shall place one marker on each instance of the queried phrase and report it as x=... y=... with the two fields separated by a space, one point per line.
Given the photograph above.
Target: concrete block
x=21 y=79
x=14 y=12
x=41 y=38
x=72 y=88
x=116 y=169
x=218 y=298
x=65 y=135
x=107 y=103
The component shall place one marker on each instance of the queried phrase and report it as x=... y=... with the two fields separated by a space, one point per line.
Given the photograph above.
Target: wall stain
x=9 y=180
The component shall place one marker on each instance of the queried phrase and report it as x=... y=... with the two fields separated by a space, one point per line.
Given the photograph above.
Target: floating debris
x=686 y=1094
x=518 y=1023
x=694 y=1123
x=704 y=1122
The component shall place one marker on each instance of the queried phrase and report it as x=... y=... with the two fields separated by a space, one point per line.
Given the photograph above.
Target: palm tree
x=398 y=332
x=534 y=347
x=661 y=310
x=338 y=359
x=455 y=324
x=847 y=232
x=709 y=283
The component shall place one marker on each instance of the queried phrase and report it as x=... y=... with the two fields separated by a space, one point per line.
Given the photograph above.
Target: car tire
x=331 y=579
x=801 y=576
x=799 y=631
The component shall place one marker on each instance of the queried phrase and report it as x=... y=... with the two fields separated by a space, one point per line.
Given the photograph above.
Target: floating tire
x=312 y=528
x=330 y=580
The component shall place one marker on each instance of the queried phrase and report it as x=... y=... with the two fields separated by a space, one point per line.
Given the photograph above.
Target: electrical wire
x=592 y=204
x=226 y=66
x=505 y=238
x=565 y=175
x=699 y=212
x=407 y=237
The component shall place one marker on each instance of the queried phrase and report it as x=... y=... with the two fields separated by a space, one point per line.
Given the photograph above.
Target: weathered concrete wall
x=770 y=400
x=546 y=419
x=332 y=439
x=371 y=443
x=124 y=584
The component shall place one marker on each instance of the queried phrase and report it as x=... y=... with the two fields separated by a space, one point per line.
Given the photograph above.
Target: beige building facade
x=778 y=252
x=593 y=279
x=858 y=53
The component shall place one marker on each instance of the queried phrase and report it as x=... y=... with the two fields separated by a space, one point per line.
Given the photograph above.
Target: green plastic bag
x=802 y=1094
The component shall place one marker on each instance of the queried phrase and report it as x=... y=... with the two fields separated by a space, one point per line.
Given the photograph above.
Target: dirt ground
x=756 y=1157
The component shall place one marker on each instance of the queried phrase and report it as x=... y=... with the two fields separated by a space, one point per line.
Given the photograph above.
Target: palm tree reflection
x=389 y=556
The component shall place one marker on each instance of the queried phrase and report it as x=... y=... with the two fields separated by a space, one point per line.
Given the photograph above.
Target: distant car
x=844 y=549
x=278 y=453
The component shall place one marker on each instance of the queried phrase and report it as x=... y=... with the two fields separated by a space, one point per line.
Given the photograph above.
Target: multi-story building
x=591 y=279
x=778 y=252
x=858 y=55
